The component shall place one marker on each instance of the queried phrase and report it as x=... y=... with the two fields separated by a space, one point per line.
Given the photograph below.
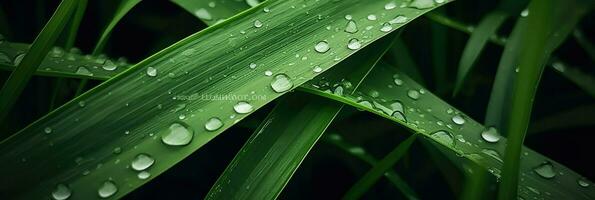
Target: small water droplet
x=142 y=161
x=413 y=94
x=458 y=119
x=492 y=153
x=252 y=3
x=151 y=71
x=545 y=170
x=348 y=17
x=268 y=73
x=109 y=65
x=490 y=135
x=117 y=150
x=338 y=90
x=322 y=47
x=203 y=14
x=422 y=4
x=317 y=69
x=583 y=182
x=252 y=65
x=266 y=9
x=443 y=137
x=61 y=192
x=390 y=5
x=525 y=13
x=399 y=115
x=47 y=130
x=83 y=71
x=386 y=27
x=107 y=189
x=399 y=20
x=354 y=44
x=82 y=104
x=242 y=107
x=372 y=17
x=351 y=27
x=143 y=175
x=257 y=23
x=178 y=135
x=213 y=124
x=281 y=83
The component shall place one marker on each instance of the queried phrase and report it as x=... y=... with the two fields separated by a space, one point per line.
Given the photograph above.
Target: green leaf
x=579 y=36
x=368 y=180
x=479 y=38
x=212 y=12
x=147 y=100
x=286 y=136
x=124 y=7
x=75 y=23
x=27 y=62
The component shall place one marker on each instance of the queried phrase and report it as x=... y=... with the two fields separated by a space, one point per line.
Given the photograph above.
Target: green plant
x=145 y=118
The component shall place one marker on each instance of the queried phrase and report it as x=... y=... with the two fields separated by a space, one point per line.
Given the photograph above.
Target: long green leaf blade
x=146 y=101
x=27 y=63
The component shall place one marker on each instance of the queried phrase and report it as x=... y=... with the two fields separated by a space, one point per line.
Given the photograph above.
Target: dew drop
x=399 y=20
x=322 y=47
x=142 y=161
x=257 y=24
x=117 y=150
x=178 y=135
x=492 y=153
x=490 y=135
x=107 y=189
x=372 y=17
x=61 y=192
x=338 y=90
x=354 y=44
x=399 y=115
x=281 y=83
x=351 y=27
x=213 y=124
x=252 y=3
x=203 y=14
x=422 y=4
x=386 y=27
x=391 y=5
x=458 y=119
x=398 y=81
x=242 y=107
x=348 y=17
x=413 y=94
x=317 y=69
x=252 y=65
x=443 y=137
x=109 y=65
x=143 y=175
x=525 y=13
x=151 y=71
x=83 y=71
x=47 y=130
x=583 y=182
x=268 y=73
x=545 y=170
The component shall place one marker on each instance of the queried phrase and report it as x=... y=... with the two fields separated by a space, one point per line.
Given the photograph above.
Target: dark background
x=327 y=172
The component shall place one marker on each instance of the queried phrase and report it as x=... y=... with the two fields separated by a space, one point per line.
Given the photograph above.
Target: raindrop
x=399 y=115
x=203 y=14
x=354 y=44
x=281 y=83
x=391 y=5
x=142 y=161
x=351 y=27
x=107 y=189
x=366 y=103
x=47 y=130
x=372 y=17
x=268 y=73
x=398 y=81
x=322 y=47
x=386 y=27
x=18 y=59
x=83 y=71
x=257 y=24
x=413 y=94
x=143 y=175
x=252 y=3
x=583 y=182
x=317 y=69
x=396 y=106
x=61 y=192
x=338 y=90
x=545 y=170
x=439 y=1
x=151 y=71
x=525 y=13
x=213 y=124
x=348 y=17
x=490 y=135
x=266 y=10
x=252 y=65
x=458 y=119
x=399 y=20
x=242 y=107
x=422 y=4
x=117 y=150
x=109 y=65
x=443 y=137
x=178 y=135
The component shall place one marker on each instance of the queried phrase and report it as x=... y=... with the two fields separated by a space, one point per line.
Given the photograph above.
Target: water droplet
x=492 y=153
x=559 y=66
x=322 y=47
x=458 y=119
x=268 y=73
x=525 y=13
x=422 y=4
x=257 y=24
x=213 y=124
x=178 y=135
x=391 y=5
x=439 y=1
x=338 y=90
x=151 y=71
x=107 y=189
x=583 y=182
x=266 y=10
x=82 y=104
x=354 y=44
x=317 y=69
x=351 y=27
x=398 y=81
x=203 y=14
x=399 y=20
x=252 y=65
x=413 y=94
x=366 y=103
x=83 y=71
x=143 y=175
x=252 y=3
x=117 y=150
x=242 y=107
x=545 y=170
x=348 y=17
x=281 y=83
x=109 y=65
x=490 y=135
x=142 y=161
x=386 y=27
x=443 y=137
x=47 y=130
x=372 y=17
x=18 y=59
x=399 y=115
x=61 y=192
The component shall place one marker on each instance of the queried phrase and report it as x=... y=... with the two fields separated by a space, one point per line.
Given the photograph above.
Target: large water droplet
x=83 y=71
x=443 y=137
x=545 y=170
x=354 y=44
x=413 y=94
x=399 y=115
x=386 y=27
x=242 y=107
x=422 y=4
x=213 y=124
x=322 y=47
x=203 y=14
x=142 y=161
x=61 y=192
x=257 y=23
x=351 y=27
x=399 y=20
x=490 y=135
x=151 y=71
x=458 y=119
x=178 y=135
x=107 y=189
x=281 y=83
x=109 y=65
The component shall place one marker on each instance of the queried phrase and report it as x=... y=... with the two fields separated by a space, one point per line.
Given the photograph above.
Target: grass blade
x=212 y=12
x=27 y=65
x=286 y=136
x=124 y=7
x=75 y=23
x=368 y=180
x=479 y=38
x=143 y=104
